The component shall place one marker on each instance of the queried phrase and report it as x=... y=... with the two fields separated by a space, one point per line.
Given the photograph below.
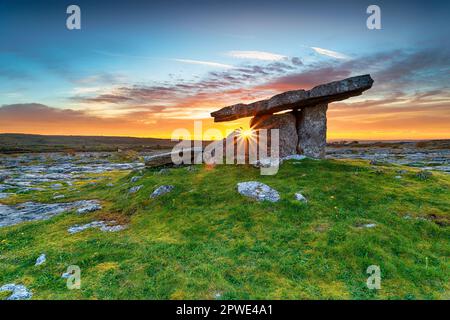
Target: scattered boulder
x=56 y=186
x=424 y=175
x=258 y=191
x=162 y=159
x=102 y=225
x=18 y=292
x=89 y=206
x=300 y=197
x=41 y=259
x=135 y=179
x=161 y=191
x=3 y=177
x=59 y=196
x=135 y=189
x=31 y=211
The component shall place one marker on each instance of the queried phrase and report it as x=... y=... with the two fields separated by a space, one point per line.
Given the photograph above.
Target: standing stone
x=312 y=131
x=287 y=130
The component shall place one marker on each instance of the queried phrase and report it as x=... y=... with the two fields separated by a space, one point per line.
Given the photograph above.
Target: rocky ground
x=53 y=173
x=58 y=173
x=427 y=155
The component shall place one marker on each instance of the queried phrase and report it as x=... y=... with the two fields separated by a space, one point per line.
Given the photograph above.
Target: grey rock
x=300 y=197
x=161 y=191
x=102 y=225
x=424 y=175
x=89 y=206
x=56 y=186
x=162 y=159
x=59 y=196
x=135 y=189
x=135 y=179
x=18 y=292
x=33 y=211
x=312 y=131
x=258 y=191
x=41 y=259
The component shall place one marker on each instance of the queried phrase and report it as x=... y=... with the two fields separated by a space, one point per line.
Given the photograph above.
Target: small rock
x=19 y=292
x=96 y=224
x=41 y=259
x=89 y=206
x=294 y=157
x=258 y=191
x=376 y=162
x=369 y=225
x=163 y=171
x=66 y=275
x=56 y=186
x=110 y=185
x=161 y=190
x=135 y=179
x=59 y=196
x=135 y=189
x=398 y=177
x=424 y=175
x=300 y=197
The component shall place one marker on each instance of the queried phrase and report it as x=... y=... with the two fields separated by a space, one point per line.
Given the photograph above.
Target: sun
x=246 y=134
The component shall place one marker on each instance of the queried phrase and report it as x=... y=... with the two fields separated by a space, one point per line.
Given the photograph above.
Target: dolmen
x=303 y=125
x=299 y=115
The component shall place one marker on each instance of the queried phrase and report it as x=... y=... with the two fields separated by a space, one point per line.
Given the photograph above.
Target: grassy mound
x=205 y=241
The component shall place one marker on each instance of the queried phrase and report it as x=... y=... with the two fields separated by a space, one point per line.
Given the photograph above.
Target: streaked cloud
x=256 y=55
x=331 y=53
x=205 y=63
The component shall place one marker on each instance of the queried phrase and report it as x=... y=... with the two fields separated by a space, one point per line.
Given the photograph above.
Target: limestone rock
x=89 y=206
x=258 y=191
x=163 y=159
x=135 y=189
x=102 y=225
x=135 y=179
x=18 y=292
x=161 y=191
x=312 y=131
x=41 y=259
x=300 y=197
x=296 y=99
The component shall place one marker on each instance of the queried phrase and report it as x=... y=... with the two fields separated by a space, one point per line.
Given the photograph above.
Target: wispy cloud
x=256 y=55
x=331 y=53
x=205 y=63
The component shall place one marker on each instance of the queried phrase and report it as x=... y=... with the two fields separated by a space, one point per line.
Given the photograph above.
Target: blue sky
x=157 y=64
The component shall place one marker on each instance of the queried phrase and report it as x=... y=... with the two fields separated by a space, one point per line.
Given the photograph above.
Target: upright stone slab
x=312 y=131
x=286 y=124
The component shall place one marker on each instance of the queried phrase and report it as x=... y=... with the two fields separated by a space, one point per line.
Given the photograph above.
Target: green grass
x=204 y=238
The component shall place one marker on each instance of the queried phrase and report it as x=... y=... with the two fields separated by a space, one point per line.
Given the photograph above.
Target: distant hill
x=17 y=143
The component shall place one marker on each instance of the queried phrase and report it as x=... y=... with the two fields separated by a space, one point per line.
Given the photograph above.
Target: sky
x=146 y=68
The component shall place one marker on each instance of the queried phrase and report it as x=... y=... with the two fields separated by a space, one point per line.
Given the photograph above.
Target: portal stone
x=286 y=124
x=312 y=131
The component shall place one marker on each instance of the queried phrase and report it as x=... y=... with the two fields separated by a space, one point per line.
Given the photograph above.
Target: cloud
x=256 y=55
x=205 y=63
x=330 y=53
